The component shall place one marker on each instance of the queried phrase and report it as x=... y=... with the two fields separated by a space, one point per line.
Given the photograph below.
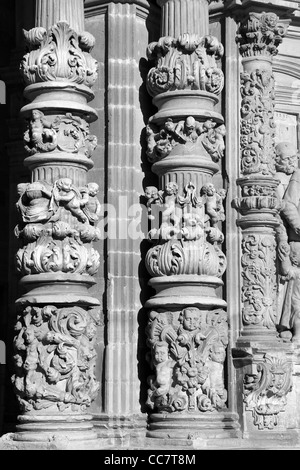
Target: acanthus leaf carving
x=59 y=54
x=186 y=62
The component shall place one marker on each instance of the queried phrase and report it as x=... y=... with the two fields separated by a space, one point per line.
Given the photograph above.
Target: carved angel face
x=93 y=189
x=190 y=319
x=150 y=192
x=160 y=353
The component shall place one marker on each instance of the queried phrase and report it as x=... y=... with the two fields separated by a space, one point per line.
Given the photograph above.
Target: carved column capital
x=261 y=33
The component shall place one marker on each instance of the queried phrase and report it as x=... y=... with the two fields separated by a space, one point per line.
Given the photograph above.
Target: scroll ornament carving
x=187 y=240
x=259 y=275
x=188 y=62
x=55 y=358
x=52 y=244
x=188 y=351
x=161 y=141
x=66 y=133
x=260 y=34
x=257 y=123
x=265 y=390
x=59 y=54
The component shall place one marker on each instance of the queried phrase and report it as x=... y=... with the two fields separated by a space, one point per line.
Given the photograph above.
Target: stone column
x=260 y=356
x=187 y=328
x=58 y=212
x=259 y=35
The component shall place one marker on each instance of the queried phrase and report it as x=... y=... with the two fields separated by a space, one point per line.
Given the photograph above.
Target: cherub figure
x=170 y=220
x=213 y=142
x=164 y=368
x=40 y=136
x=65 y=193
x=153 y=196
x=92 y=209
x=213 y=203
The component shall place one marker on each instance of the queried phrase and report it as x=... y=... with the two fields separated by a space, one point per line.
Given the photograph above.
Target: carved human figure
x=35 y=203
x=91 y=208
x=213 y=203
x=214 y=385
x=164 y=368
x=188 y=130
x=40 y=135
x=152 y=196
x=65 y=193
x=286 y=160
x=169 y=227
x=213 y=140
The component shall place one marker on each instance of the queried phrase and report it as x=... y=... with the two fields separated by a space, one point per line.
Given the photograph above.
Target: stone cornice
x=287 y=6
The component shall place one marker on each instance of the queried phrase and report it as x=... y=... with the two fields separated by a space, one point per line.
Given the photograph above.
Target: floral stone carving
x=160 y=142
x=266 y=389
x=55 y=357
x=257 y=123
x=259 y=275
x=188 y=62
x=188 y=351
x=59 y=54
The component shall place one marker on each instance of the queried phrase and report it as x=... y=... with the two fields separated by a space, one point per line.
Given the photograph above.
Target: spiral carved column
x=187 y=328
x=58 y=212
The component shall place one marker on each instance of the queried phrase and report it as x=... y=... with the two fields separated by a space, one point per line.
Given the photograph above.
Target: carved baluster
x=58 y=213
x=187 y=329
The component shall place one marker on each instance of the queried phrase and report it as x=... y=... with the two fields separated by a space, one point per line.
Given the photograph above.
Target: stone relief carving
x=266 y=388
x=187 y=240
x=259 y=275
x=65 y=133
x=188 y=62
x=260 y=34
x=52 y=244
x=289 y=240
x=160 y=142
x=257 y=123
x=188 y=351
x=55 y=357
x=59 y=54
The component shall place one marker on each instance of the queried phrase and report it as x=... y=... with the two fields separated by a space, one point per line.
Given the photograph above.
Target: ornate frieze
x=162 y=139
x=54 y=357
x=259 y=280
x=188 y=62
x=59 y=54
x=63 y=133
x=266 y=389
x=257 y=131
x=50 y=243
x=188 y=238
x=188 y=350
